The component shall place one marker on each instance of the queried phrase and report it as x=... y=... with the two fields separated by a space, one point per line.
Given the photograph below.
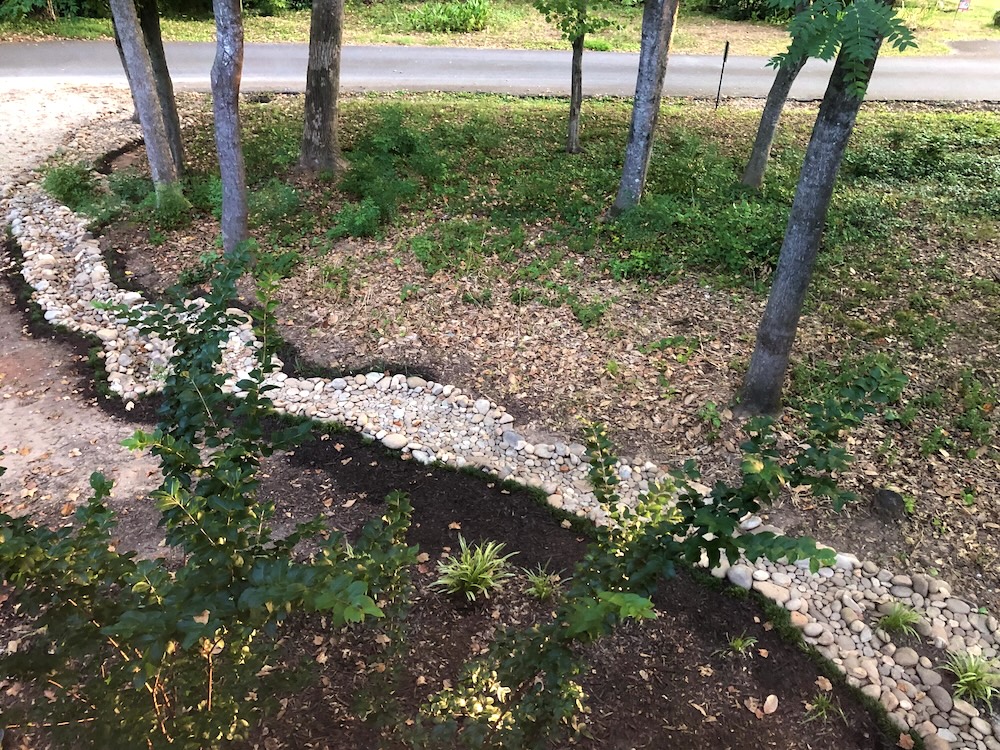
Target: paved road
x=281 y=67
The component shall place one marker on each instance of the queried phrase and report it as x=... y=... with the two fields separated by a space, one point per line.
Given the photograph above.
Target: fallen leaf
x=705 y=670
x=318 y=640
x=454 y=525
x=824 y=684
x=322 y=658
x=202 y=619
x=763 y=652
x=753 y=706
x=905 y=742
x=382 y=639
x=423 y=557
x=349 y=503
x=67 y=509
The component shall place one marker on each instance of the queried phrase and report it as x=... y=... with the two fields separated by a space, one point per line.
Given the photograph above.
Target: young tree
x=658 y=17
x=753 y=175
x=575 y=21
x=320 y=150
x=857 y=30
x=787 y=71
x=166 y=177
x=227 y=72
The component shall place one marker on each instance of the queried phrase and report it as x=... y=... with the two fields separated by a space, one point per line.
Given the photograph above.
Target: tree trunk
x=149 y=21
x=575 y=97
x=320 y=150
x=753 y=176
x=166 y=180
x=764 y=380
x=658 y=17
x=226 y=74
x=128 y=78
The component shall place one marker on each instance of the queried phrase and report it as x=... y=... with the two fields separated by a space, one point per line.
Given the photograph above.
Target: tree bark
x=227 y=71
x=320 y=151
x=575 y=97
x=658 y=17
x=149 y=21
x=762 y=387
x=166 y=180
x=128 y=78
x=753 y=176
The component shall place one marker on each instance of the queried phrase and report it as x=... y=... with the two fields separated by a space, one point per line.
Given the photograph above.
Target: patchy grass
x=515 y=24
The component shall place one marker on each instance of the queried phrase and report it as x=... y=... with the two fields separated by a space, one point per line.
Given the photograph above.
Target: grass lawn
x=514 y=24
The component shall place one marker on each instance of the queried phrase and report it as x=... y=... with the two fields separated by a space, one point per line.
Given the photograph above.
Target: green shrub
x=996 y=18
x=157 y=654
x=744 y=10
x=453 y=16
x=476 y=571
x=356 y=220
x=73 y=185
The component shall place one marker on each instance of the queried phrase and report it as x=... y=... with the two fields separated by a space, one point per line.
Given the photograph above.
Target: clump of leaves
x=975 y=677
x=742 y=645
x=542 y=583
x=73 y=185
x=899 y=619
x=476 y=571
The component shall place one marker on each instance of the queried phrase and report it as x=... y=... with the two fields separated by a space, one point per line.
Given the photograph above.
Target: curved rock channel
x=837 y=609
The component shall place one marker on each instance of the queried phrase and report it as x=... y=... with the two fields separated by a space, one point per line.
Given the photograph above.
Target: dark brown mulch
x=670 y=682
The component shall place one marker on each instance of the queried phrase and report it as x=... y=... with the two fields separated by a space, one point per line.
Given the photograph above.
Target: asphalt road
x=281 y=67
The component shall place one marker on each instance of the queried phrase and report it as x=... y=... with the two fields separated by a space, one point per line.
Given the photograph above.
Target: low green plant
x=542 y=583
x=200 y=272
x=356 y=220
x=975 y=677
x=900 y=619
x=710 y=415
x=936 y=441
x=452 y=16
x=271 y=202
x=476 y=571
x=822 y=707
x=73 y=185
x=909 y=504
x=742 y=645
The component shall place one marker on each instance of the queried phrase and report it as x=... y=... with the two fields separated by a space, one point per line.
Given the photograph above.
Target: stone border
x=836 y=609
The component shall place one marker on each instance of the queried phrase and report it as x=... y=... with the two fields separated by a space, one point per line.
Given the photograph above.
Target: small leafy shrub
x=710 y=415
x=129 y=186
x=265 y=7
x=978 y=407
x=451 y=17
x=542 y=584
x=996 y=19
x=745 y=10
x=389 y=163
x=900 y=619
x=205 y=193
x=200 y=272
x=73 y=185
x=476 y=571
x=975 y=677
x=356 y=220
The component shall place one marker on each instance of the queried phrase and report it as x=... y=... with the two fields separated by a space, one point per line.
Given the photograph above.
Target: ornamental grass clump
x=476 y=571
x=975 y=677
x=899 y=619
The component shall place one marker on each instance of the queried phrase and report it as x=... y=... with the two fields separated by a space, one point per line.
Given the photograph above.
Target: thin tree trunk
x=149 y=21
x=166 y=180
x=227 y=72
x=128 y=78
x=764 y=380
x=320 y=150
x=575 y=97
x=658 y=17
x=753 y=176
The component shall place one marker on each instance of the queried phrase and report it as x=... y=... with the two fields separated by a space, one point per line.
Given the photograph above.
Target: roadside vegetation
x=702 y=28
